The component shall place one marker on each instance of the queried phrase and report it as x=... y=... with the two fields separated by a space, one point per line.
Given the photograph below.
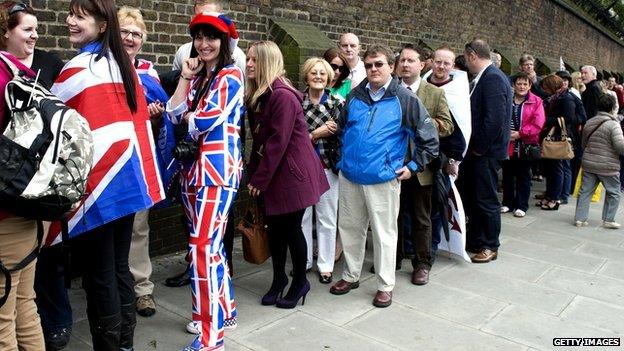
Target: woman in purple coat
x=285 y=171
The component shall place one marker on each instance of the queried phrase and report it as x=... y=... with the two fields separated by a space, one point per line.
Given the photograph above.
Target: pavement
x=551 y=280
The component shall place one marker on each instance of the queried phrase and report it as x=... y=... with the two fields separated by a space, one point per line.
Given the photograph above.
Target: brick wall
x=540 y=27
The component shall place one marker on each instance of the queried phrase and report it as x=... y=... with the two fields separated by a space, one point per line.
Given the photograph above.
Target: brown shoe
x=484 y=256
x=420 y=276
x=342 y=287
x=145 y=305
x=382 y=299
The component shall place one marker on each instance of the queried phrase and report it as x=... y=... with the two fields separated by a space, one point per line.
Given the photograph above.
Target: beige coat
x=602 y=150
x=434 y=100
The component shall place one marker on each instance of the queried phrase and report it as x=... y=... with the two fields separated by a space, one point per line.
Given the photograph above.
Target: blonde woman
x=577 y=86
x=285 y=170
x=321 y=110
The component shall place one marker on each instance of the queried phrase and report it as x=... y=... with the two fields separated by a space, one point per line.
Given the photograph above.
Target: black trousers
x=103 y=257
x=52 y=299
x=416 y=204
x=285 y=232
x=478 y=183
x=516 y=184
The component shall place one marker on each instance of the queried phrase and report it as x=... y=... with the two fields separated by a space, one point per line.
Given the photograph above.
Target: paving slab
x=604 y=251
x=448 y=303
x=425 y=332
x=612 y=269
x=594 y=313
x=559 y=257
x=511 y=266
x=506 y=289
x=300 y=331
x=549 y=239
x=537 y=329
x=589 y=285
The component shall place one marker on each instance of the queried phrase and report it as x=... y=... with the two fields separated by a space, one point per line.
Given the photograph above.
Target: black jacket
x=590 y=98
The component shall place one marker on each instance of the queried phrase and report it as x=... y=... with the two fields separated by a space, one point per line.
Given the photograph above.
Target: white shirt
x=475 y=81
x=184 y=52
x=357 y=74
x=376 y=96
x=414 y=87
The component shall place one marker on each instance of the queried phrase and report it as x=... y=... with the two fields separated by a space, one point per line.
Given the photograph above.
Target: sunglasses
x=17 y=8
x=135 y=35
x=336 y=67
x=376 y=64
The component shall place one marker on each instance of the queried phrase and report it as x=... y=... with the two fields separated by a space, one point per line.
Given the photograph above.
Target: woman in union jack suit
x=209 y=97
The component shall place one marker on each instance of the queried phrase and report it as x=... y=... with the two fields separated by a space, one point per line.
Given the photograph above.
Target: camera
x=185 y=150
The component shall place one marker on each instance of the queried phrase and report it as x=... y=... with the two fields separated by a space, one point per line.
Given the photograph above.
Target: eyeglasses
x=336 y=67
x=135 y=35
x=377 y=64
x=17 y=8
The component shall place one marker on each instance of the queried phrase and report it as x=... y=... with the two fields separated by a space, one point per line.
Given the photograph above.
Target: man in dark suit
x=592 y=90
x=491 y=101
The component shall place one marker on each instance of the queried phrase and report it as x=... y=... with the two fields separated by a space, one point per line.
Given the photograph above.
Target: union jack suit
x=124 y=178
x=209 y=186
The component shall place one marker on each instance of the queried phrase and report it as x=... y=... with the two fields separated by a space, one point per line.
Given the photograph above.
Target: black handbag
x=530 y=152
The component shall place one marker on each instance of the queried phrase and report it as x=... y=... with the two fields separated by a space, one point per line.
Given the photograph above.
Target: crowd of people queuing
x=373 y=142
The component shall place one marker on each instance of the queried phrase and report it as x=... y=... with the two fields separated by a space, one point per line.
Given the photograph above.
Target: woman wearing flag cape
x=209 y=97
x=101 y=84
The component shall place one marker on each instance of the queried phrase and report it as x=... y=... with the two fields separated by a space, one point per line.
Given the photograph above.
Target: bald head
x=349 y=44
x=208 y=6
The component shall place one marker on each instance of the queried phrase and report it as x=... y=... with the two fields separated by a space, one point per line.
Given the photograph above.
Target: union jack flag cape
x=124 y=178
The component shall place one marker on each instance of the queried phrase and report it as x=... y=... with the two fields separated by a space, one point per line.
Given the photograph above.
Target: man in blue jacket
x=490 y=104
x=387 y=137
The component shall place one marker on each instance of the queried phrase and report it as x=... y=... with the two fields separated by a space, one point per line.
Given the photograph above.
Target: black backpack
x=46 y=152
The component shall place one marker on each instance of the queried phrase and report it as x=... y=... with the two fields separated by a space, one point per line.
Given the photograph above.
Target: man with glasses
x=416 y=192
x=490 y=102
x=349 y=44
x=378 y=122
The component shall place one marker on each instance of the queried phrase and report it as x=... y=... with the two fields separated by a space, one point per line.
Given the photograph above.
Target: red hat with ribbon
x=218 y=21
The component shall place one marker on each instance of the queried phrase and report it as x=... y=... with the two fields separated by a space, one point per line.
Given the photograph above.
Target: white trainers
x=519 y=213
x=505 y=209
x=580 y=223
x=193 y=327
x=611 y=225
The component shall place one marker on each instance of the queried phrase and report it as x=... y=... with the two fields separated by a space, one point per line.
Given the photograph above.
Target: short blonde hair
x=310 y=63
x=269 y=68
x=132 y=15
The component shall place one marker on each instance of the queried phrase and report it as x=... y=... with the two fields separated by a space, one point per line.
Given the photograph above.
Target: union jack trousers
x=207 y=209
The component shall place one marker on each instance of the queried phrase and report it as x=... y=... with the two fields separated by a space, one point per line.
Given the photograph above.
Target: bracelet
x=183 y=77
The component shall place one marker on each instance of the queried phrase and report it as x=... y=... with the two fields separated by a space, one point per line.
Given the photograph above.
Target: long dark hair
x=224 y=58
x=105 y=11
x=329 y=56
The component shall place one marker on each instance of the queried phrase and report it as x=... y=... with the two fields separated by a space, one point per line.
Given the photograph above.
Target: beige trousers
x=20 y=327
x=139 y=259
x=359 y=206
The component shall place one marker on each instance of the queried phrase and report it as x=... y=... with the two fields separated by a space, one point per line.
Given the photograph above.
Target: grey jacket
x=604 y=146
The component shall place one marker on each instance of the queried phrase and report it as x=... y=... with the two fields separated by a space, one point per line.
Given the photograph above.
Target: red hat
x=220 y=22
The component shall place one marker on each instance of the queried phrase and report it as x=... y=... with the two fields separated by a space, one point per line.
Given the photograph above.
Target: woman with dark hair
x=526 y=123
x=101 y=84
x=340 y=84
x=560 y=104
x=19 y=39
x=284 y=168
x=209 y=97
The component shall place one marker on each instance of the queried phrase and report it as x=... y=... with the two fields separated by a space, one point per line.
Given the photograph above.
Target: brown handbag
x=558 y=148
x=255 y=239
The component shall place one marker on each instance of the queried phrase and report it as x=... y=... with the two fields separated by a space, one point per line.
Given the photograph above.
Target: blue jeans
x=554 y=179
x=567 y=180
x=516 y=184
x=52 y=299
